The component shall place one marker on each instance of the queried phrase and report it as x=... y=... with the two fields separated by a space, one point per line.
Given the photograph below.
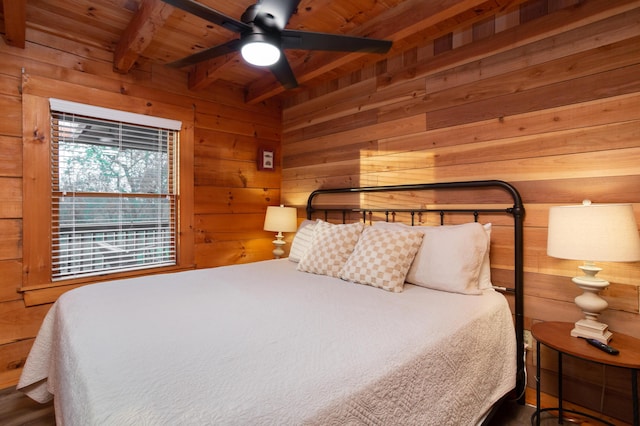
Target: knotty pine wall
x=546 y=97
x=230 y=194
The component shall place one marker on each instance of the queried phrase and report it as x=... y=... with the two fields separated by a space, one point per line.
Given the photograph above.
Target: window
x=42 y=280
x=113 y=191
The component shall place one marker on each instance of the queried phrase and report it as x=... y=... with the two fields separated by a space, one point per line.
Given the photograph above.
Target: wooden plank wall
x=230 y=194
x=546 y=96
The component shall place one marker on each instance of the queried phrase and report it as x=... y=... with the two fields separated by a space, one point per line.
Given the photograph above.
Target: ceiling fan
x=263 y=37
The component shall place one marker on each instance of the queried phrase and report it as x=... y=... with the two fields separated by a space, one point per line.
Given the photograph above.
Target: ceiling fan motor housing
x=264 y=21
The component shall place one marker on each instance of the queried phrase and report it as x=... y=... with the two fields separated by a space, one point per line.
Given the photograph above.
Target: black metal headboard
x=516 y=211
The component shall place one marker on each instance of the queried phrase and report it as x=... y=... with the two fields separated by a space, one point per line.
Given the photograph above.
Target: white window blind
x=113 y=191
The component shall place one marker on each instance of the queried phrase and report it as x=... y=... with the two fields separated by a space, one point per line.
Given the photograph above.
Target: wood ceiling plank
x=92 y=25
x=146 y=22
x=108 y=26
x=189 y=34
x=395 y=23
x=400 y=22
x=15 y=21
x=107 y=15
x=337 y=16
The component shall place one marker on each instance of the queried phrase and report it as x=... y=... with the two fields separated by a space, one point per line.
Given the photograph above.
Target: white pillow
x=450 y=257
x=382 y=258
x=330 y=248
x=485 y=270
x=302 y=240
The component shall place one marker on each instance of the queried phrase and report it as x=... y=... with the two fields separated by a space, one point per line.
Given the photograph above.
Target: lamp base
x=590 y=329
x=591 y=304
x=278 y=243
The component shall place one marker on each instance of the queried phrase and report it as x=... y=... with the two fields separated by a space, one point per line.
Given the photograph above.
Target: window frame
x=104 y=255
x=37 y=284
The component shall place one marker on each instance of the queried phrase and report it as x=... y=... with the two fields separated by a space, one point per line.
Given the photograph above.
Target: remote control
x=603 y=347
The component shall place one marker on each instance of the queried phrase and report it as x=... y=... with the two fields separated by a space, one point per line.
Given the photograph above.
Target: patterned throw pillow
x=330 y=248
x=382 y=258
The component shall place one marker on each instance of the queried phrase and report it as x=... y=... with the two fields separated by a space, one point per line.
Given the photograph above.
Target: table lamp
x=280 y=219
x=593 y=232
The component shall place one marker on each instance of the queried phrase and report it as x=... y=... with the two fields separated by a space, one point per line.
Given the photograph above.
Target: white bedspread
x=264 y=344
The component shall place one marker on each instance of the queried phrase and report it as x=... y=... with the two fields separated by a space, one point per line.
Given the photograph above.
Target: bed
x=285 y=342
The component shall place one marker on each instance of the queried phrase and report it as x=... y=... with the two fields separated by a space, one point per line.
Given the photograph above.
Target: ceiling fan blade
x=306 y=40
x=213 y=52
x=283 y=72
x=210 y=15
x=280 y=10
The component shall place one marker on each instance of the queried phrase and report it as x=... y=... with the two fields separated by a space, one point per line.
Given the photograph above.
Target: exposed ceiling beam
x=149 y=18
x=205 y=73
x=15 y=22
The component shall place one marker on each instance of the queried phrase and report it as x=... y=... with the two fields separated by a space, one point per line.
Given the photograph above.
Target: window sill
x=49 y=293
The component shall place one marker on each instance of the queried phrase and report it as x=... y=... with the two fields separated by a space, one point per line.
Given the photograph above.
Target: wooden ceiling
x=137 y=31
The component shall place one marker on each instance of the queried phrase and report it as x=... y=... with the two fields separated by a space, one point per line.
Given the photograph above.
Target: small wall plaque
x=266 y=159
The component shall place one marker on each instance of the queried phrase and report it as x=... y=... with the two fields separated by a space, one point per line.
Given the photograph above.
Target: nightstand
x=557 y=336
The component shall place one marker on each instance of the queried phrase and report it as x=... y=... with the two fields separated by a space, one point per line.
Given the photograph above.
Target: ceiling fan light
x=260 y=53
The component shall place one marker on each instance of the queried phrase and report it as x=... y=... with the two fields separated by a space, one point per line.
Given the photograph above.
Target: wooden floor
x=16 y=409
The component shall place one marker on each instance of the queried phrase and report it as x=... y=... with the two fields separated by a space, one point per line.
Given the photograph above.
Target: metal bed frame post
x=517 y=212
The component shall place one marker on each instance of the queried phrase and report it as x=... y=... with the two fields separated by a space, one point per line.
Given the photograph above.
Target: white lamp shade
x=281 y=219
x=593 y=232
